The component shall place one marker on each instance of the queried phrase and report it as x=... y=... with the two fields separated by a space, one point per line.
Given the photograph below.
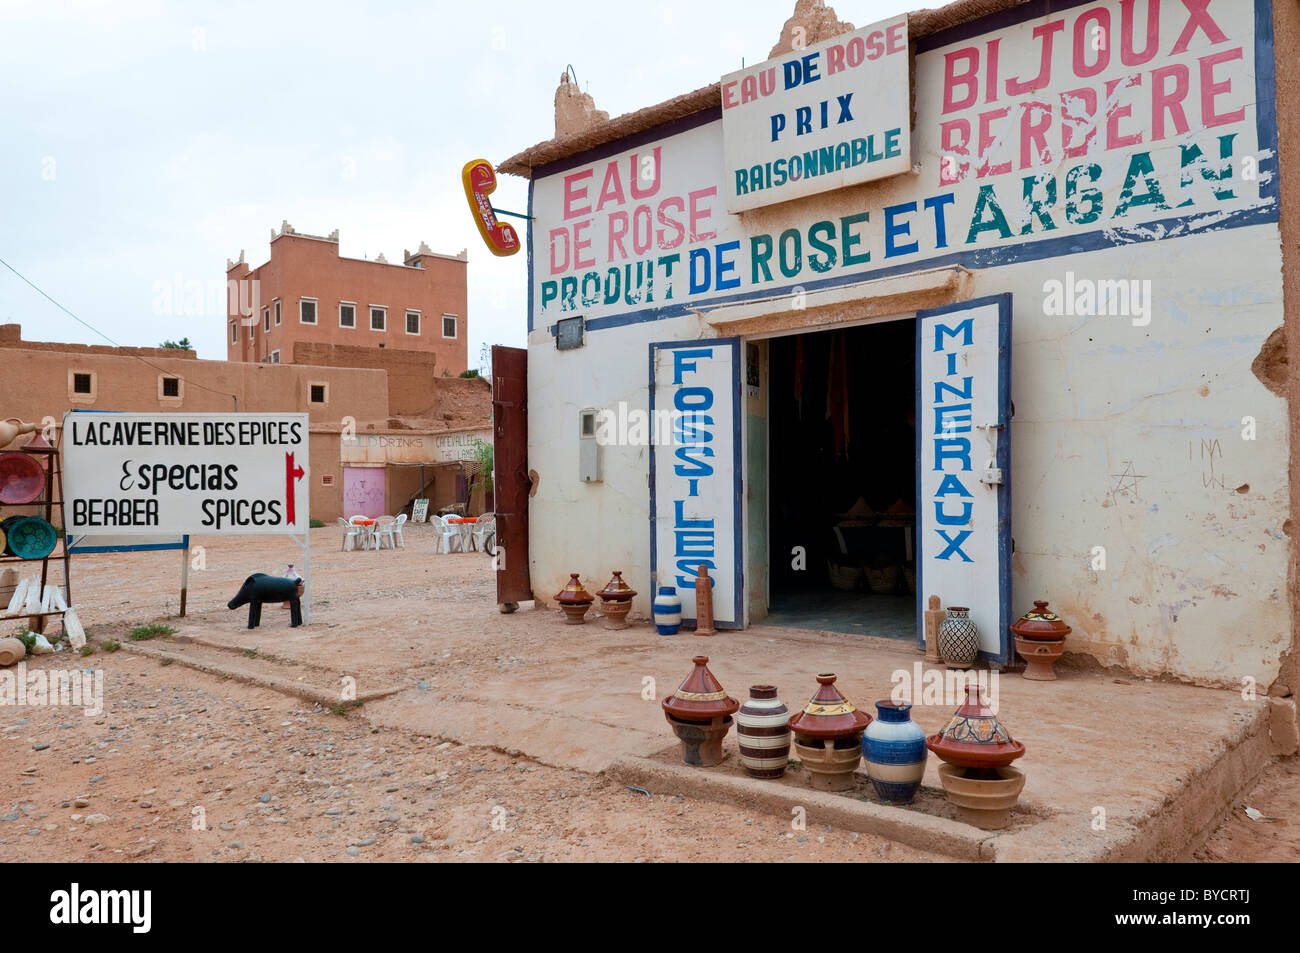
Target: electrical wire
x=87 y=324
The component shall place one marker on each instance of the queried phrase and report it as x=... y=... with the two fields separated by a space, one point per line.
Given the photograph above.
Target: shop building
x=1001 y=317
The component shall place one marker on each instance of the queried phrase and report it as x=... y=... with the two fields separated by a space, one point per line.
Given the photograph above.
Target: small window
x=327 y=479
x=171 y=387
x=449 y=325
x=318 y=393
x=83 y=383
x=307 y=311
x=234 y=333
x=347 y=315
x=378 y=319
x=275 y=357
x=277 y=314
x=413 y=322
x=266 y=319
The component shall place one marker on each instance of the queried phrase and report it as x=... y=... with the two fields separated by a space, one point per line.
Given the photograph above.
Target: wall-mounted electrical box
x=588 y=447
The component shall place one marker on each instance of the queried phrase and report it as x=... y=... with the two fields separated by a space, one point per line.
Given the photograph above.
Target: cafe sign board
x=819 y=118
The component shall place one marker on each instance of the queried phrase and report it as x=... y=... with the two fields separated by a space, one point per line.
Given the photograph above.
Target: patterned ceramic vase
x=763 y=730
x=893 y=746
x=959 y=639
x=667 y=610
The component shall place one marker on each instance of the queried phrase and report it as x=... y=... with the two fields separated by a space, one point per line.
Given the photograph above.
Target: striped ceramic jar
x=763 y=730
x=893 y=746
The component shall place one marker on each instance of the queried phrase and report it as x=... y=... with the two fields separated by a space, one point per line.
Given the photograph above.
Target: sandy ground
x=190 y=765
x=185 y=765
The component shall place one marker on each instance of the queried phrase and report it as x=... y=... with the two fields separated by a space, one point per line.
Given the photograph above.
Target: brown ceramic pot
x=12 y=651
x=974 y=738
x=701 y=741
x=983 y=798
x=615 y=613
x=1039 y=657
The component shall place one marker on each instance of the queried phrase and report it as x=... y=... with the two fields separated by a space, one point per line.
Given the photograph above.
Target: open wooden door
x=510 y=474
x=963 y=465
x=696 y=504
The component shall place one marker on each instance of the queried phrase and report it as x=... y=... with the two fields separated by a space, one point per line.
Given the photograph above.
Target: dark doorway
x=842 y=480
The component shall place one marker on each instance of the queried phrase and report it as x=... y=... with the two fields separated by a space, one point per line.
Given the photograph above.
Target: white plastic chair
x=351 y=535
x=384 y=528
x=394 y=531
x=445 y=532
x=368 y=534
x=485 y=532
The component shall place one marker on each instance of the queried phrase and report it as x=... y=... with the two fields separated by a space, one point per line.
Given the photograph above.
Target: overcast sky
x=147 y=142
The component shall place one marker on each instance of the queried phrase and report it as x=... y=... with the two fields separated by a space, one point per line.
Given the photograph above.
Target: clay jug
x=9 y=431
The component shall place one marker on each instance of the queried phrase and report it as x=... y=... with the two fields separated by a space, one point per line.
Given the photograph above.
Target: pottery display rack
x=51 y=497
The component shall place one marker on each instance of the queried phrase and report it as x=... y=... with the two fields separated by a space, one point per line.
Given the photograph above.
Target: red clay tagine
x=1040 y=640
x=974 y=738
x=700 y=712
x=616 y=601
x=574 y=600
x=828 y=736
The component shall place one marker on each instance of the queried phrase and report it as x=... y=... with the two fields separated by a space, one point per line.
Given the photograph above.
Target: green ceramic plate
x=31 y=537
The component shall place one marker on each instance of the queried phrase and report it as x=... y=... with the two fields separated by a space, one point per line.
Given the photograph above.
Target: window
x=266 y=319
x=277 y=312
x=347 y=314
x=234 y=333
x=307 y=311
x=413 y=322
x=171 y=387
x=378 y=318
x=449 y=325
x=83 y=383
x=275 y=357
x=318 y=393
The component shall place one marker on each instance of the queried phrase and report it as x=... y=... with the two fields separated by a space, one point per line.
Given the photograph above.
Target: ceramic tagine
x=978 y=776
x=616 y=601
x=700 y=712
x=1040 y=640
x=574 y=600
x=959 y=639
x=828 y=736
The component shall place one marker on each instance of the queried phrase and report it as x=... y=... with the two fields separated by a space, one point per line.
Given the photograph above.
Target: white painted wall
x=1124 y=437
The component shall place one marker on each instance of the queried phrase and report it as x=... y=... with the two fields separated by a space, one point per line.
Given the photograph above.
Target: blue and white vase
x=667 y=610
x=893 y=747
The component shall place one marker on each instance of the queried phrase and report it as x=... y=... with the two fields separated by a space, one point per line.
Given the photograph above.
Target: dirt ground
x=186 y=765
x=195 y=765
